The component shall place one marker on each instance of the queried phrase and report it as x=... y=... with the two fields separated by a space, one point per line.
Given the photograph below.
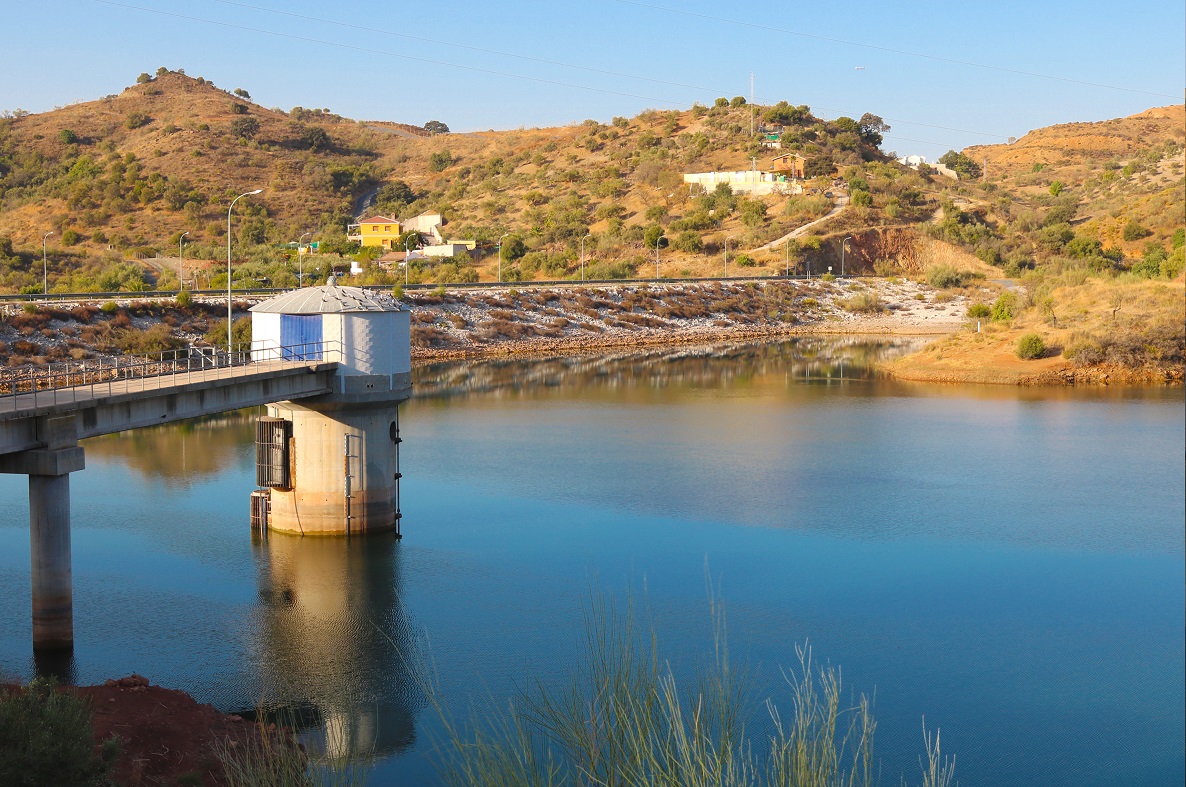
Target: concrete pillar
x=344 y=469
x=49 y=471
x=49 y=548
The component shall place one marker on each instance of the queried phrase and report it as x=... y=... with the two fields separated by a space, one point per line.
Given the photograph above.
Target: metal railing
x=66 y=382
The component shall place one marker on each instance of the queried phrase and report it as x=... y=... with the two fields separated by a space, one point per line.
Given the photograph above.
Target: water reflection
x=334 y=643
x=184 y=452
x=623 y=370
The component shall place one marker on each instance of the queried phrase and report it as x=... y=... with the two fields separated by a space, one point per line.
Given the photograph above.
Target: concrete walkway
x=841 y=204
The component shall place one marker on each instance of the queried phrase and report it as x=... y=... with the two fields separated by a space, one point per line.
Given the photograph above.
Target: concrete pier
x=344 y=464
x=49 y=548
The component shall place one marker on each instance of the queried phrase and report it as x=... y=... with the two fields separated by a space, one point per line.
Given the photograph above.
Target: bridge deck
x=112 y=405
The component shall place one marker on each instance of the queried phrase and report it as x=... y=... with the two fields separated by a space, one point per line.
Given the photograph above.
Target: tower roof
x=328 y=299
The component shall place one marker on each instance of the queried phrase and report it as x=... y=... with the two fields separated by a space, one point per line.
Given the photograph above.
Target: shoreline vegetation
x=1088 y=332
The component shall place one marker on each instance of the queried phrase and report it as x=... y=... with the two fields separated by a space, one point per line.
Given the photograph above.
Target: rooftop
x=327 y=299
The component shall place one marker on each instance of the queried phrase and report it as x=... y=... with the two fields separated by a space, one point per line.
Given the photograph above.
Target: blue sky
x=481 y=65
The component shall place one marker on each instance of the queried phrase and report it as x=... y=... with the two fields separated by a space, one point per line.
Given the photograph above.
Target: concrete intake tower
x=329 y=465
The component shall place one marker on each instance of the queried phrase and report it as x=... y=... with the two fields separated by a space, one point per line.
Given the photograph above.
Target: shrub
x=745 y=261
x=1005 y=307
x=136 y=120
x=862 y=199
x=864 y=303
x=184 y=299
x=440 y=161
x=944 y=276
x=46 y=738
x=828 y=277
x=67 y=137
x=1030 y=346
x=1134 y=231
x=109 y=307
x=979 y=310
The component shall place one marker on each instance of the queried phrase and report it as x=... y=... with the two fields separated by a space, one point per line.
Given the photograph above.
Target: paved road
x=841 y=204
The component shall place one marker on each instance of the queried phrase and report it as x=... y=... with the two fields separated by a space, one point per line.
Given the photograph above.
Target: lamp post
x=590 y=235
x=657 y=241
x=180 y=263
x=44 y=265
x=301 y=259
x=404 y=265
x=843 y=243
x=229 y=348
x=505 y=234
x=727 y=254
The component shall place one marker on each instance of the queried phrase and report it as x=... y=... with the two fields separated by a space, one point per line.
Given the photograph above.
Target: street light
x=229 y=348
x=505 y=234
x=590 y=235
x=180 y=263
x=727 y=254
x=44 y=265
x=301 y=259
x=843 y=243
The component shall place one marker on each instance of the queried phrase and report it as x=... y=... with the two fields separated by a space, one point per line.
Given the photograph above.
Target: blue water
x=1007 y=563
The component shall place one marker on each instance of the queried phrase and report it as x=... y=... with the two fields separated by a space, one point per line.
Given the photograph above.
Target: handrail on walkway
x=65 y=382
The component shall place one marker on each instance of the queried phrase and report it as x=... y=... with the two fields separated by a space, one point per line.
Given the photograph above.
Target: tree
x=238 y=109
x=962 y=164
x=862 y=199
x=144 y=78
x=245 y=127
x=721 y=102
x=513 y=247
x=843 y=123
x=67 y=136
x=1134 y=231
x=1056 y=188
x=654 y=235
x=162 y=71
x=315 y=138
x=436 y=127
x=738 y=101
x=784 y=114
x=871 y=127
x=241 y=93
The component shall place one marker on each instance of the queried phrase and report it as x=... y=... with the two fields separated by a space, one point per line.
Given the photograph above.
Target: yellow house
x=375 y=231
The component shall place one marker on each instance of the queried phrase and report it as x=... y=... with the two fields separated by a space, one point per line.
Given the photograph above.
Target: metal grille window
x=271 y=452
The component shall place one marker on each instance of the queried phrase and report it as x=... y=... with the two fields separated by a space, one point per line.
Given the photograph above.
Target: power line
x=430 y=61
x=878 y=48
x=545 y=61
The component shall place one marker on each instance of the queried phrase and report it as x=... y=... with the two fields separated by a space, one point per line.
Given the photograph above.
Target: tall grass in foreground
x=271 y=757
x=624 y=719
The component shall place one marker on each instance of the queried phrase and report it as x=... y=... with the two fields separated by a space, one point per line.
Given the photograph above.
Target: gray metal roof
x=328 y=299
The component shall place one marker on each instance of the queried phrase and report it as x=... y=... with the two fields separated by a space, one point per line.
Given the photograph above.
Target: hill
x=127 y=174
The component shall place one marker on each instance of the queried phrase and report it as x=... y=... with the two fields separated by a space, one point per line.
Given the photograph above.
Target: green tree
x=144 y=78
x=738 y=101
x=241 y=93
x=435 y=127
x=871 y=127
x=1056 y=188
x=67 y=137
x=653 y=235
x=962 y=164
x=245 y=127
x=862 y=199
x=315 y=138
x=513 y=247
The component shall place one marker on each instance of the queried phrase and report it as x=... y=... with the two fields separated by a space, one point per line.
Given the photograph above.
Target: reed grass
x=626 y=718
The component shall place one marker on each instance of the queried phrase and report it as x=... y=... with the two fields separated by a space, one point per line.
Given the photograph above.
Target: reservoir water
x=1007 y=563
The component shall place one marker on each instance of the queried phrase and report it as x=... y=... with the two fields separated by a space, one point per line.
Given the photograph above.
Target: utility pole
x=751 y=103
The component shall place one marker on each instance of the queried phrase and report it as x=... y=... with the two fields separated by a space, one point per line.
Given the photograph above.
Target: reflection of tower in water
x=334 y=645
